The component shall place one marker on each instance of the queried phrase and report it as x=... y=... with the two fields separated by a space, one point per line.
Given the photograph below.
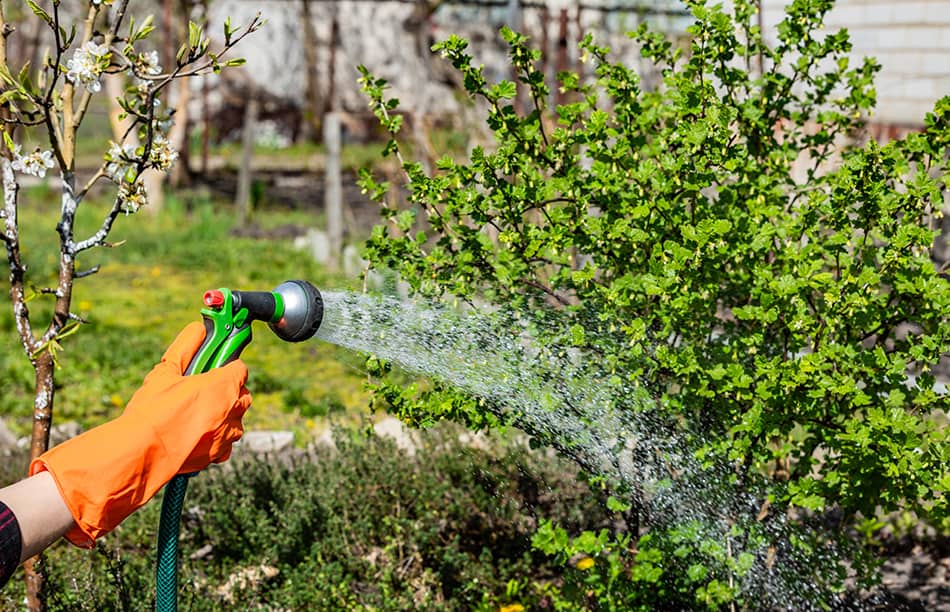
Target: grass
x=149 y=288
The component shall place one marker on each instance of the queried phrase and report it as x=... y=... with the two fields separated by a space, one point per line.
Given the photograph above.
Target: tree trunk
x=205 y=108
x=178 y=136
x=35 y=582
x=43 y=367
x=168 y=41
x=206 y=131
x=42 y=364
x=42 y=404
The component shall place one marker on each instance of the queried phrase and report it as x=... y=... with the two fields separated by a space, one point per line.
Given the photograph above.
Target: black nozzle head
x=303 y=311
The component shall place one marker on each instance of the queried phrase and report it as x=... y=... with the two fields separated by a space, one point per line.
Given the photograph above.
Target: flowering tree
x=53 y=98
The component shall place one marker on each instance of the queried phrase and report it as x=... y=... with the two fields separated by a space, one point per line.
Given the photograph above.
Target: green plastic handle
x=227 y=317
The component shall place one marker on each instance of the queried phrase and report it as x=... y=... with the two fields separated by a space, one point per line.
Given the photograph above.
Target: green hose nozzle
x=294 y=311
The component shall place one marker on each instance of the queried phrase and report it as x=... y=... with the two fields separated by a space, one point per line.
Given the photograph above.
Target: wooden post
x=331 y=64
x=243 y=198
x=547 y=55
x=313 y=105
x=514 y=15
x=514 y=21
x=761 y=24
x=333 y=192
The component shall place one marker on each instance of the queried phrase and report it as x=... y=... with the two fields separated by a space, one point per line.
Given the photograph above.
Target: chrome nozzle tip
x=303 y=311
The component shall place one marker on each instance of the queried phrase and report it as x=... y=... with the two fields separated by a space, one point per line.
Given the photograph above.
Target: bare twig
x=85 y=273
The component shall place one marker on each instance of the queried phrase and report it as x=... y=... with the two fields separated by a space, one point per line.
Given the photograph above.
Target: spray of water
x=604 y=421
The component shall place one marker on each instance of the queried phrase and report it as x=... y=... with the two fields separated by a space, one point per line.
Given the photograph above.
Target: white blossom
x=144 y=66
x=34 y=164
x=120 y=159
x=163 y=125
x=132 y=196
x=86 y=65
x=162 y=154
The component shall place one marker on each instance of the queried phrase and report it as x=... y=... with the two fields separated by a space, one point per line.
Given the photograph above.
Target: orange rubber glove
x=174 y=424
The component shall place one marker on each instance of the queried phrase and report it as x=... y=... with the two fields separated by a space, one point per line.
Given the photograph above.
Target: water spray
x=606 y=421
x=293 y=311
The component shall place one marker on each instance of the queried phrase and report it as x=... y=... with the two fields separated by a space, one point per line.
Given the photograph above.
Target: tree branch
x=11 y=237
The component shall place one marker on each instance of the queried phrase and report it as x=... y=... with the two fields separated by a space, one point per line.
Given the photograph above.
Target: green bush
x=772 y=279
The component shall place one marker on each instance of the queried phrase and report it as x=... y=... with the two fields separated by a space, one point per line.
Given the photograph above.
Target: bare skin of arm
x=40 y=510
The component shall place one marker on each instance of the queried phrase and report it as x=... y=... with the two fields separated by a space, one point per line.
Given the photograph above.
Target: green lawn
x=151 y=286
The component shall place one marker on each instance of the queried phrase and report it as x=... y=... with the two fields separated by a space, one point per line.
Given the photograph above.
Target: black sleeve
x=10 y=543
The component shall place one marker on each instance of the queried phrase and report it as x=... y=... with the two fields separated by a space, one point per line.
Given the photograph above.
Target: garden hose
x=294 y=311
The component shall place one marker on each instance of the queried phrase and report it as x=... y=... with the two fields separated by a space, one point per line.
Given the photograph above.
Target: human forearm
x=40 y=511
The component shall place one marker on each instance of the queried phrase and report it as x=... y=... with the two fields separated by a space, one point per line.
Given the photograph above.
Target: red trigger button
x=214 y=299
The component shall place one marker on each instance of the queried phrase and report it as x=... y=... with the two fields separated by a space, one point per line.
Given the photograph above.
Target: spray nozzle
x=302 y=312
x=294 y=311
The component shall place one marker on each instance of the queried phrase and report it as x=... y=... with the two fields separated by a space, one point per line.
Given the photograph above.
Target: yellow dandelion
x=116 y=400
x=85 y=305
x=511 y=608
x=585 y=564
x=156 y=271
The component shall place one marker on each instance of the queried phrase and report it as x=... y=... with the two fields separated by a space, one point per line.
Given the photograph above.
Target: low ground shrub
x=363 y=526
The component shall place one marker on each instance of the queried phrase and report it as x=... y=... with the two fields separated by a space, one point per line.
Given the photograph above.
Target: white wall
x=911 y=40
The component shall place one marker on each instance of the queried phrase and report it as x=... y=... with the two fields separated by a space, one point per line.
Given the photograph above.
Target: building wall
x=373 y=33
x=910 y=39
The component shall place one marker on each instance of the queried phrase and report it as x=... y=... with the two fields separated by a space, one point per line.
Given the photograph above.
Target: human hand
x=198 y=417
x=174 y=424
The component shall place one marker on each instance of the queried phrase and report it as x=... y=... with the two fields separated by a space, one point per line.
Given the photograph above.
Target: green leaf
x=39 y=12
x=194 y=35
x=615 y=505
x=504 y=90
x=696 y=572
x=228 y=30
